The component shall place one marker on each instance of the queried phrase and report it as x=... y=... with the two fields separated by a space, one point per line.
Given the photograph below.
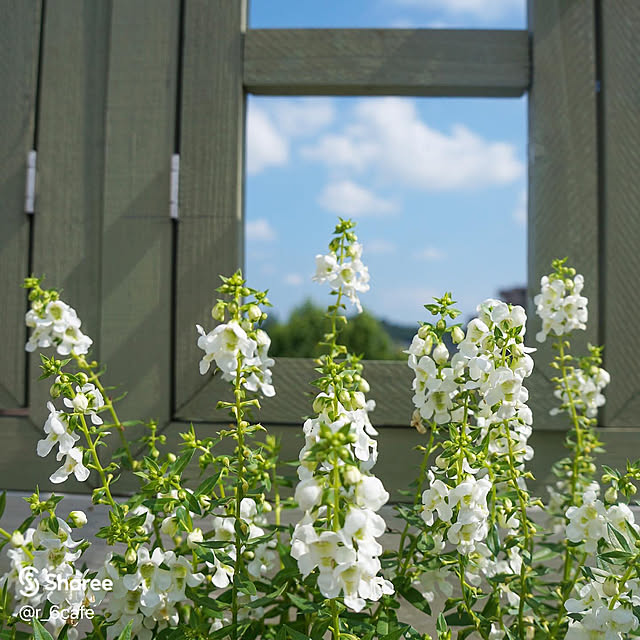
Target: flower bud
x=352 y=475
x=83 y=378
x=55 y=390
x=169 y=526
x=364 y=386
x=253 y=313
x=78 y=518
x=441 y=462
x=217 y=313
x=610 y=587
x=130 y=556
x=423 y=332
x=457 y=335
x=195 y=537
x=17 y=539
x=171 y=457
x=440 y=353
x=80 y=403
x=611 y=495
x=344 y=397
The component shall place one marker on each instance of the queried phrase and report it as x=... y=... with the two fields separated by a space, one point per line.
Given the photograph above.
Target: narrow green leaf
x=39 y=632
x=126 y=632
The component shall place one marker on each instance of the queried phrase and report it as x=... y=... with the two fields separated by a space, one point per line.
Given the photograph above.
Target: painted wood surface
x=68 y=225
x=620 y=253
x=19 y=48
x=422 y=62
x=210 y=228
x=136 y=264
x=563 y=171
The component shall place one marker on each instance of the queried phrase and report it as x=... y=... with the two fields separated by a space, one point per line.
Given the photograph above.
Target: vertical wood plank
x=621 y=109
x=135 y=322
x=210 y=233
x=68 y=226
x=563 y=168
x=19 y=47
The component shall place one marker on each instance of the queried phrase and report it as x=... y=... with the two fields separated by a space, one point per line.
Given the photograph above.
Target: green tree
x=299 y=336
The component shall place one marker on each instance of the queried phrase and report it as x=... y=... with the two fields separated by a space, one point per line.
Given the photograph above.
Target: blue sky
x=437 y=186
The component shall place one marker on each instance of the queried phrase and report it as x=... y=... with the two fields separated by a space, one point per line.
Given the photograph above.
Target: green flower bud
x=77 y=519
x=457 y=335
x=610 y=586
x=253 y=313
x=611 y=495
x=217 y=313
x=171 y=457
x=130 y=556
x=83 y=378
x=17 y=539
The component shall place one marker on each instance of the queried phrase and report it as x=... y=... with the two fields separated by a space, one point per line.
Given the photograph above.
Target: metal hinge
x=175 y=186
x=30 y=191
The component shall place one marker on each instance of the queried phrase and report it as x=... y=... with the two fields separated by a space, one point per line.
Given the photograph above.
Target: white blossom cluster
x=42 y=556
x=347 y=558
x=585 y=388
x=263 y=556
x=149 y=595
x=87 y=401
x=56 y=325
x=560 y=305
x=464 y=507
x=482 y=367
x=351 y=274
x=229 y=343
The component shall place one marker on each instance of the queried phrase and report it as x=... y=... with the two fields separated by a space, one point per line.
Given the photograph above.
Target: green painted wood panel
x=390 y=387
x=421 y=62
x=19 y=47
x=563 y=169
x=210 y=228
x=136 y=263
x=68 y=224
x=621 y=259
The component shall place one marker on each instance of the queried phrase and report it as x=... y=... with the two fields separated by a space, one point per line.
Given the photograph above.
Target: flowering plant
x=201 y=550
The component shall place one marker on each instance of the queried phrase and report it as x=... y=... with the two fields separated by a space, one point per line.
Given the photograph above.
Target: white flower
x=87 y=400
x=223 y=345
x=308 y=493
x=57 y=433
x=370 y=493
x=587 y=523
x=560 y=306
x=435 y=498
x=72 y=464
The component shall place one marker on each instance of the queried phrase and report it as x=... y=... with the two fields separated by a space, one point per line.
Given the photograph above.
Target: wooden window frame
x=107 y=91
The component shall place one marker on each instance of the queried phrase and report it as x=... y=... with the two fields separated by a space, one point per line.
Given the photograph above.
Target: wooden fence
x=108 y=91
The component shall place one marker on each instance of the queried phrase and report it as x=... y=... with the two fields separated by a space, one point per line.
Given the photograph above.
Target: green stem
x=96 y=460
x=335 y=615
x=5 y=534
x=95 y=379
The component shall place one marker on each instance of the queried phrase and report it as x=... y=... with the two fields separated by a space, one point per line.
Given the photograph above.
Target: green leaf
x=181 y=463
x=295 y=635
x=39 y=632
x=126 y=632
x=414 y=597
x=397 y=633
x=3 y=502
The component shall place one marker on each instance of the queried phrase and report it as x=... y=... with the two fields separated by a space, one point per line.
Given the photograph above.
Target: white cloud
x=477 y=8
x=347 y=198
x=260 y=231
x=520 y=212
x=388 y=138
x=293 y=279
x=266 y=146
x=430 y=254
x=379 y=247
x=303 y=116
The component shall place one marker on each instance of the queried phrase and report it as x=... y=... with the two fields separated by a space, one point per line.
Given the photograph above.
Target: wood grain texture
x=563 y=169
x=422 y=62
x=621 y=137
x=390 y=387
x=19 y=47
x=136 y=265
x=20 y=466
x=68 y=225
x=210 y=228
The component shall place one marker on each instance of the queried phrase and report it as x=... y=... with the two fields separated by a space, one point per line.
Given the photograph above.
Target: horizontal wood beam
x=418 y=62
